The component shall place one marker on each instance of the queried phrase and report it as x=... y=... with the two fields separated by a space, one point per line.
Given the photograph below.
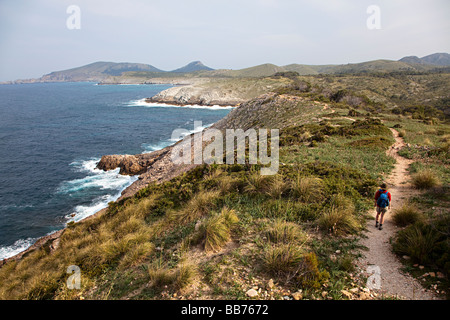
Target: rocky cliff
x=197 y=95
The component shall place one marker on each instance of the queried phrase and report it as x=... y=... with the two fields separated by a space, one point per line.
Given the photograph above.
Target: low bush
x=309 y=275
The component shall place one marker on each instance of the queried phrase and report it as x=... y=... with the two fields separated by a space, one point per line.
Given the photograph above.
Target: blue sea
x=52 y=135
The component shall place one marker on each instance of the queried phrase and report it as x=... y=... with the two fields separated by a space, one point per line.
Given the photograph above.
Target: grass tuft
x=425 y=179
x=199 y=205
x=407 y=214
x=285 y=232
x=338 y=221
x=307 y=189
x=282 y=259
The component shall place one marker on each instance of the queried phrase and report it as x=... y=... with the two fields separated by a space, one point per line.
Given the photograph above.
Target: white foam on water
x=96 y=179
x=81 y=212
x=16 y=248
x=144 y=103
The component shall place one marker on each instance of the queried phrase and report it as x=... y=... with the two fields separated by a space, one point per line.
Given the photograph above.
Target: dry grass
x=256 y=183
x=282 y=259
x=178 y=278
x=307 y=189
x=339 y=221
x=425 y=179
x=343 y=203
x=407 y=214
x=276 y=187
x=199 y=205
x=285 y=232
x=215 y=231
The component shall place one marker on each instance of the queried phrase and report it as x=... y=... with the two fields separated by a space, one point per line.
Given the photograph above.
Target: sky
x=224 y=34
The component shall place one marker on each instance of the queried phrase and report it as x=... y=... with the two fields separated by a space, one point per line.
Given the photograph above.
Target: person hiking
x=382 y=202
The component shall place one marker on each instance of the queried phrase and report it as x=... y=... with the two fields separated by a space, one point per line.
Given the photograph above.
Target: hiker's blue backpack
x=383 y=199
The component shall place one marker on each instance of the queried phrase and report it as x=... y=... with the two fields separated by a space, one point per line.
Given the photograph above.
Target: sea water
x=52 y=136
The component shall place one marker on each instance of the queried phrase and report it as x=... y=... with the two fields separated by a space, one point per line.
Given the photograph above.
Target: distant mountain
x=124 y=72
x=412 y=59
x=262 y=70
x=440 y=59
x=436 y=59
x=191 y=67
x=97 y=71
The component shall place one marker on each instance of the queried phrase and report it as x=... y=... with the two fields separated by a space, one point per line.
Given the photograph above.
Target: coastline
x=155 y=166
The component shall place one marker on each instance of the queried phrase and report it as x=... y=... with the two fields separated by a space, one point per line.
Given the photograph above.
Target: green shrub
x=372 y=142
x=309 y=275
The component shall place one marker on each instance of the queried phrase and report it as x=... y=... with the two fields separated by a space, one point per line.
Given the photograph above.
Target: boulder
x=128 y=164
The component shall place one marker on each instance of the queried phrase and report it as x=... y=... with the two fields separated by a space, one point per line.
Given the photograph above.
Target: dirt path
x=379 y=260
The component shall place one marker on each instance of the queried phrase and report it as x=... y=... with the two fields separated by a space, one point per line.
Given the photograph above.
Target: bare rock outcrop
x=129 y=164
x=197 y=95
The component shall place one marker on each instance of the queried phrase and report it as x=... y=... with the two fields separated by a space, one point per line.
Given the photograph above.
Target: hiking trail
x=393 y=282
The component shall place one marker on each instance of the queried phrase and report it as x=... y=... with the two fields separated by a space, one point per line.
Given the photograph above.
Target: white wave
x=16 y=248
x=86 y=165
x=96 y=178
x=143 y=103
x=81 y=212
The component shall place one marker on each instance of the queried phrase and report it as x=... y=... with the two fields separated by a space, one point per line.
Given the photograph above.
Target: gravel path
x=380 y=264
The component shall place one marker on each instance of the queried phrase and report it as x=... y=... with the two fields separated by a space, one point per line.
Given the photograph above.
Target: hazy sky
x=232 y=34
